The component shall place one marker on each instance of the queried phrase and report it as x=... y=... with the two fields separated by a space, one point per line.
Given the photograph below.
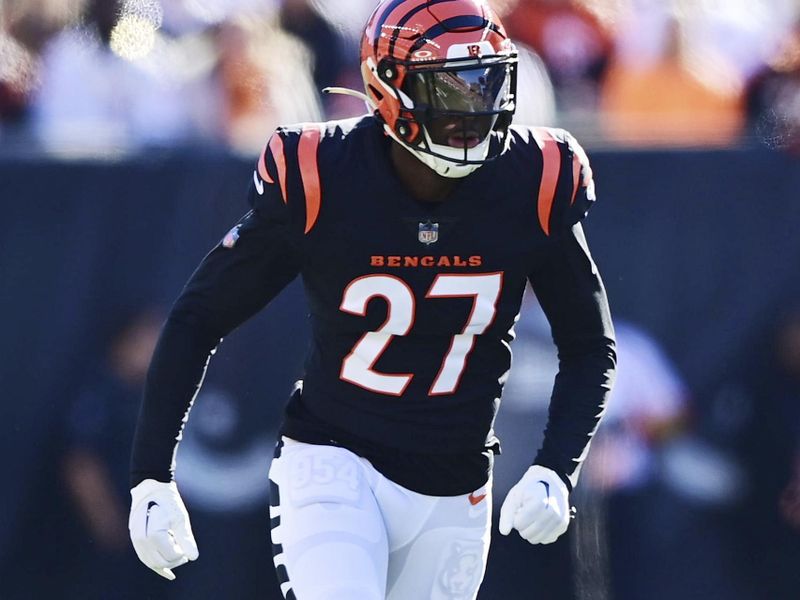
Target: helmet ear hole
x=387 y=71
x=406 y=130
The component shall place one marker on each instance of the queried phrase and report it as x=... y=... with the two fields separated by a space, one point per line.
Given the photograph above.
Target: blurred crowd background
x=128 y=130
x=78 y=75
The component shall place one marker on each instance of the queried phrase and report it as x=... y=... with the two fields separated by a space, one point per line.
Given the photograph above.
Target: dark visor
x=469 y=90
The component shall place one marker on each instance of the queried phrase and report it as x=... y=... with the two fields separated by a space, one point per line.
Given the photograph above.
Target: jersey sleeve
x=288 y=172
x=255 y=260
x=571 y=293
x=566 y=186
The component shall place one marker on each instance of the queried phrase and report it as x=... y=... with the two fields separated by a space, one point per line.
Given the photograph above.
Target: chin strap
x=349 y=92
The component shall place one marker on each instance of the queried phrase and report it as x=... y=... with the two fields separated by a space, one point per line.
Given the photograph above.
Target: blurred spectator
x=571 y=41
x=727 y=40
x=117 y=80
x=32 y=22
x=112 y=82
x=266 y=81
x=664 y=490
x=646 y=410
x=648 y=407
x=347 y=19
x=665 y=102
x=99 y=431
x=17 y=79
x=300 y=18
x=536 y=103
x=24 y=29
x=773 y=96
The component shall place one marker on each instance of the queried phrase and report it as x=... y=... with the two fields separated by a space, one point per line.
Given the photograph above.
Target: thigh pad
x=323 y=474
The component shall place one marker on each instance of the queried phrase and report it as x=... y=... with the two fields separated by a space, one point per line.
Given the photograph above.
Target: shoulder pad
x=290 y=163
x=566 y=185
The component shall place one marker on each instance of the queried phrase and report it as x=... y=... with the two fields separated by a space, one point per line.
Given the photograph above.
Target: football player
x=415 y=230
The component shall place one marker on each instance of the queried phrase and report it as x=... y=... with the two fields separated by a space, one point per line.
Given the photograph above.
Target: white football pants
x=343 y=531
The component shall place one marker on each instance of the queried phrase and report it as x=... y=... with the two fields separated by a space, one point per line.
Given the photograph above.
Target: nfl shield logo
x=428 y=233
x=230 y=239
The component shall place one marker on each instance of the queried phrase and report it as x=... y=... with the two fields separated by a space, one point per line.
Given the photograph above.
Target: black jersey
x=412 y=304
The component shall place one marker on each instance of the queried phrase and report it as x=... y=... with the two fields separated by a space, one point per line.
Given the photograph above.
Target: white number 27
x=357 y=366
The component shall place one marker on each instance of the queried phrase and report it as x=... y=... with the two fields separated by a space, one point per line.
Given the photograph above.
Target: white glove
x=159 y=527
x=537 y=506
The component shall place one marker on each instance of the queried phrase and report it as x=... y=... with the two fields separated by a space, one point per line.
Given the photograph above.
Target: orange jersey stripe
x=551 y=169
x=276 y=147
x=309 y=172
x=576 y=177
x=262 y=167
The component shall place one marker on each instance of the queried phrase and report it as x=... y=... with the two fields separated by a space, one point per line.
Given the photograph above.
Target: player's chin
x=459 y=140
x=462 y=142
x=460 y=134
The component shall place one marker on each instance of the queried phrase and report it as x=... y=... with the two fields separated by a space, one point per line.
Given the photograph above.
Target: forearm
x=571 y=292
x=229 y=286
x=176 y=373
x=579 y=397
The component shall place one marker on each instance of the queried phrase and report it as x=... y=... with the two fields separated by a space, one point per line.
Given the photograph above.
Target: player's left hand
x=537 y=506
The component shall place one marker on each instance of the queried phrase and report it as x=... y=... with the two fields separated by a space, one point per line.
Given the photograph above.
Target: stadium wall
x=700 y=248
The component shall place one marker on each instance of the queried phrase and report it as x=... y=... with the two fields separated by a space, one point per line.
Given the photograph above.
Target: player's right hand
x=159 y=527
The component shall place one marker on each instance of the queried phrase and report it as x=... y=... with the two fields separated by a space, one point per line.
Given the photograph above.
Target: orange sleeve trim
x=276 y=147
x=576 y=177
x=551 y=168
x=309 y=172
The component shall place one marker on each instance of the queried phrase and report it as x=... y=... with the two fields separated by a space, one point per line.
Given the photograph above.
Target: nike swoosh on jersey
x=473 y=499
x=259 y=183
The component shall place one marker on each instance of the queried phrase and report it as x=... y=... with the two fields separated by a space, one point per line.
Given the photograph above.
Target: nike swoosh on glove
x=537 y=506
x=159 y=526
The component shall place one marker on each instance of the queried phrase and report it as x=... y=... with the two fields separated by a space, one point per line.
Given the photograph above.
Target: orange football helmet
x=441 y=76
